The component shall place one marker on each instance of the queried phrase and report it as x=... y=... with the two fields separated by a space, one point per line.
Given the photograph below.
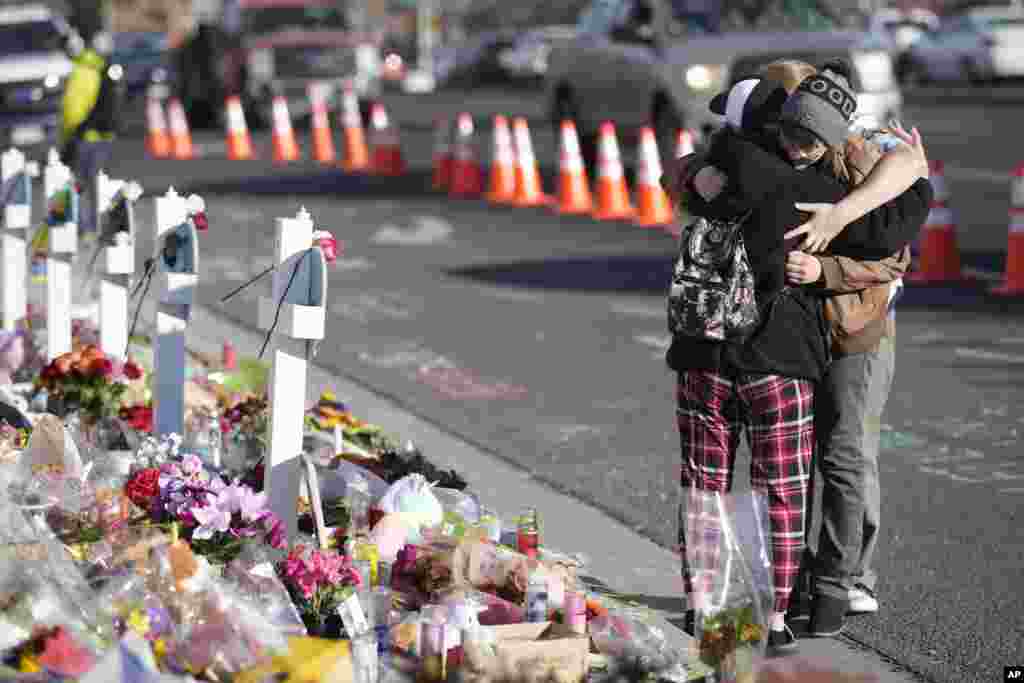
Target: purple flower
x=211 y=519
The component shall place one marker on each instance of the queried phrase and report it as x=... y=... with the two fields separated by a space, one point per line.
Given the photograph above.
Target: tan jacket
x=858 y=310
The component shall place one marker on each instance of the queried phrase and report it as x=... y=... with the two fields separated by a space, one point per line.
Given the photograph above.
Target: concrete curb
x=622 y=561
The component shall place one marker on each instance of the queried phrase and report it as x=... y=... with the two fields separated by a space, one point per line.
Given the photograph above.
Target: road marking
x=425 y=230
x=363 y=307
x=661 y=342
x=638 y=310
x=353 y=264
x=981 y=354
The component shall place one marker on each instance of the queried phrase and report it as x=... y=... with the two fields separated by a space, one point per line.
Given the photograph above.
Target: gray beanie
x=823 y=104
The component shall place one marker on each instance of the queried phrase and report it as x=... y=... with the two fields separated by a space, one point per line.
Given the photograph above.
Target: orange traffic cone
x=502 y=185
x=323 y=140
x=387 y=153
x=239 y=142
x=529 y=191
x=442 y=177
x=467 y=177
x=357 y=156
x=181 y=139
x=1013 y=282
x=573 y=188
x=612 y=195
x=939 y=259
x=285 y=147
x=158 y=144
x=653 y=206
x=684 y=143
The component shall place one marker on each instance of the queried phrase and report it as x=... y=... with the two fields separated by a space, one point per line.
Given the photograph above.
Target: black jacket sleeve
x=887 y=229
x=764 y=181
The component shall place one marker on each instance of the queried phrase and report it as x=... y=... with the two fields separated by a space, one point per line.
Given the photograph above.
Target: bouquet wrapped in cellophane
x=725 y=547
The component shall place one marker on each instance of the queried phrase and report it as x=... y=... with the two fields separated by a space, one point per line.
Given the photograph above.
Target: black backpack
x=712 y=292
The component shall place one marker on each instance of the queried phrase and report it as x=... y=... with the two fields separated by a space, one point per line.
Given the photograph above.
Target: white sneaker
x=862 y=600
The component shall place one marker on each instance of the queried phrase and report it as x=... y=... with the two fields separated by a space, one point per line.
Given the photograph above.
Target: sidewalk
x=629 y=565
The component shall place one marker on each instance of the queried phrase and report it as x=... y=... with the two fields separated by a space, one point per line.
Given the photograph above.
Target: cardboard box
x=536 y=651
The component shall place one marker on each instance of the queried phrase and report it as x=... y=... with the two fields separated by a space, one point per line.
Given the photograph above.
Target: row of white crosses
x=294 y=316
x=62 y=244
x=16 y=195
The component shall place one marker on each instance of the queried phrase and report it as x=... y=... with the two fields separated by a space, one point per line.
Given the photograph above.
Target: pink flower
x=307 y=584
x=276 y=537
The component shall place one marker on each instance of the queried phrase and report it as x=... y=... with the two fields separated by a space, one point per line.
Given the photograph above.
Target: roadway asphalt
x=540 y=339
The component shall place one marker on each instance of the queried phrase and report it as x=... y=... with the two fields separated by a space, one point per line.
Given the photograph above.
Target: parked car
x=261 y=48
x=979 y=46
x=904 y=28
x=33 y=68
x=635 y=62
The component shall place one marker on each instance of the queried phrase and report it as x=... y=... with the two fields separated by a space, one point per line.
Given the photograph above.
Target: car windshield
x=260 y=20
x=34 y=36
x=731 y=16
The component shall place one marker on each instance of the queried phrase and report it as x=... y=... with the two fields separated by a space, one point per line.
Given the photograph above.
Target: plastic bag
x=725 y=553
x=413 y=494
x=624 y=632
x=226 y=633
x=334 y=482
x=460 y=503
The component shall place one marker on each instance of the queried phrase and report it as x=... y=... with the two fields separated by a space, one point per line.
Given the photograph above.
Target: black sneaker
x=781 y=642
x=828 y=616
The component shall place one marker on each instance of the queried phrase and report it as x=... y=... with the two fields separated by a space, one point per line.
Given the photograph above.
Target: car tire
x=914 y=74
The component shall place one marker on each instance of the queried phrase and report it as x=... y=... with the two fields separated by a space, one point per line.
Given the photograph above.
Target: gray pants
x=848 y=419
x=92 y=158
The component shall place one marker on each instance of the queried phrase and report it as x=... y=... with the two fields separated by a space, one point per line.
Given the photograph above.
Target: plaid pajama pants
x=777 y=415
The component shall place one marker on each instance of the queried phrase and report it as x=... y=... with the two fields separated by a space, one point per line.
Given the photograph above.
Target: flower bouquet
x=246 y=424
x=726 y=551
x=88 y=381
x=217 y=518
x=319 y=581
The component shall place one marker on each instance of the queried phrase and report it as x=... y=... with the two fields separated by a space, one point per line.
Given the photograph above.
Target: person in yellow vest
x=90 y=110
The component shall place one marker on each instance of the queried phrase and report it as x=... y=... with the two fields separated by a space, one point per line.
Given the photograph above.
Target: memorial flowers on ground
x=217 y=517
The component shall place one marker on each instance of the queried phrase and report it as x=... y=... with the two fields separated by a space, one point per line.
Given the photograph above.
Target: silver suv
x=638 y=62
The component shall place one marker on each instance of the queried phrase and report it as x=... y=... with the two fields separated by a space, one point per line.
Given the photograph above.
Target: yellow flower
x=29 y=664
x=138 y=621
x=159 y=648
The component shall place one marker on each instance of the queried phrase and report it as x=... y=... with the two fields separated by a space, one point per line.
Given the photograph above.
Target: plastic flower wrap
x=227 y=634
x=29 y=549
x=217 y=630
x=726 y=549
x=153 y=452
x=253 y=573
x=125 y=604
